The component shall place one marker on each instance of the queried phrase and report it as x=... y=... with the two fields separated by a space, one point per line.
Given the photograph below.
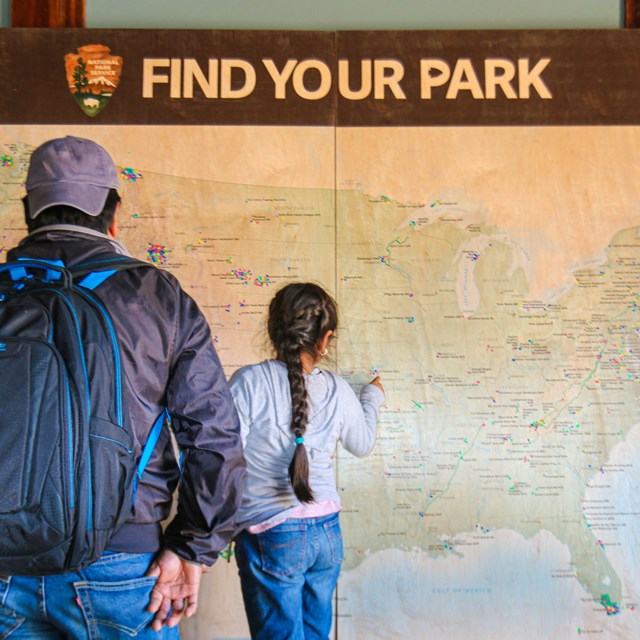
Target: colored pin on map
x=130 y=175
x=610 y=607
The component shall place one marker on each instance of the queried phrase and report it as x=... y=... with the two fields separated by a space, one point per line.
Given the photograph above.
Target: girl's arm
x=358 y=434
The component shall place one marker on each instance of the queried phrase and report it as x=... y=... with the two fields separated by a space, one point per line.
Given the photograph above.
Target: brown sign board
x=359 y=78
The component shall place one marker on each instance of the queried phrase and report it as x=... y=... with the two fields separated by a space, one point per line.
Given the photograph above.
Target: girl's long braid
x=299 y=466
x=299 y=316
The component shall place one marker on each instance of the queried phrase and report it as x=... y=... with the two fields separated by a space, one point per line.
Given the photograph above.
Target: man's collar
x=78 y=229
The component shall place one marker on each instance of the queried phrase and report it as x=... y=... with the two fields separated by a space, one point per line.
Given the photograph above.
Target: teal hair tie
x=299 y=440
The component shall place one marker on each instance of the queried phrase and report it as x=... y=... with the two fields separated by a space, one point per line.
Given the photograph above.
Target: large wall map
x=492 y=278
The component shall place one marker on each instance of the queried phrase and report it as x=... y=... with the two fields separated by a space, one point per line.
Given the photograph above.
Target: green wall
x=349 y=14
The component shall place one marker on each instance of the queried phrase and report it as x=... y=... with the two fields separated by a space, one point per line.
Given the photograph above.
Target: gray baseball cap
x=70 y=171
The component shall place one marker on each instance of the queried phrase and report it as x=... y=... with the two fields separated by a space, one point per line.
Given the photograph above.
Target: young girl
x=292 y=415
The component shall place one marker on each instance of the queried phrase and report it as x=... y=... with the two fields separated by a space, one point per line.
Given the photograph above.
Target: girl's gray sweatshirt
x=263 y=400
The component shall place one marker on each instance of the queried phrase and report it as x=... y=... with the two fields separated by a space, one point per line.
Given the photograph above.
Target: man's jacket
x=168 y=361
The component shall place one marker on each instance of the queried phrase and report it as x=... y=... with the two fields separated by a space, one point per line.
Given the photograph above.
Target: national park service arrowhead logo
x=93 y=75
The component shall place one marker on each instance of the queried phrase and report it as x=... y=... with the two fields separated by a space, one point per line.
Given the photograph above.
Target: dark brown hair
x=300 y=314
x=64 y=214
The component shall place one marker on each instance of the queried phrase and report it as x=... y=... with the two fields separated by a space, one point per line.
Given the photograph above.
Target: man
x=148 y=579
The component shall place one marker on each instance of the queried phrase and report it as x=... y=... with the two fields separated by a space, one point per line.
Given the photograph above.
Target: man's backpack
x=68 y=469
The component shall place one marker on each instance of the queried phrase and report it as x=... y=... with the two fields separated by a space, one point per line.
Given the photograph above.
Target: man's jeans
x=288 y=575
x=106 y=601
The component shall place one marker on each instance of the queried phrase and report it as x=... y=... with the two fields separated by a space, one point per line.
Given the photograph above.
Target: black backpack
x=68 y=470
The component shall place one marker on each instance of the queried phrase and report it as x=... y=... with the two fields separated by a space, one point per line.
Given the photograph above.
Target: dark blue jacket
x=168 y=360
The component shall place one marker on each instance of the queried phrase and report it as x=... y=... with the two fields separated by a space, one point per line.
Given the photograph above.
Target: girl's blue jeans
x=288 y=575
x=106 y=600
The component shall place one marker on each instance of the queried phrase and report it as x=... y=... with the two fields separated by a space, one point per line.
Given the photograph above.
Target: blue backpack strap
x=91 y=275
x=96 y=278
x=149 y=446
x=54 y=269
x=104 y=262
x=93 y=272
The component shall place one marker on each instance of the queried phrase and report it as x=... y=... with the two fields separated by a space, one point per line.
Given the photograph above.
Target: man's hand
x=176 y=591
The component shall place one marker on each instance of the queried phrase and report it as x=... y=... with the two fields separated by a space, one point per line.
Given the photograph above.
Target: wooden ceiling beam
x=48 y=13
x=632 y=14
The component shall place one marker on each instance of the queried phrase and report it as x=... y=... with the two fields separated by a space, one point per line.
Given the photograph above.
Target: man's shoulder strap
x=95 y=270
